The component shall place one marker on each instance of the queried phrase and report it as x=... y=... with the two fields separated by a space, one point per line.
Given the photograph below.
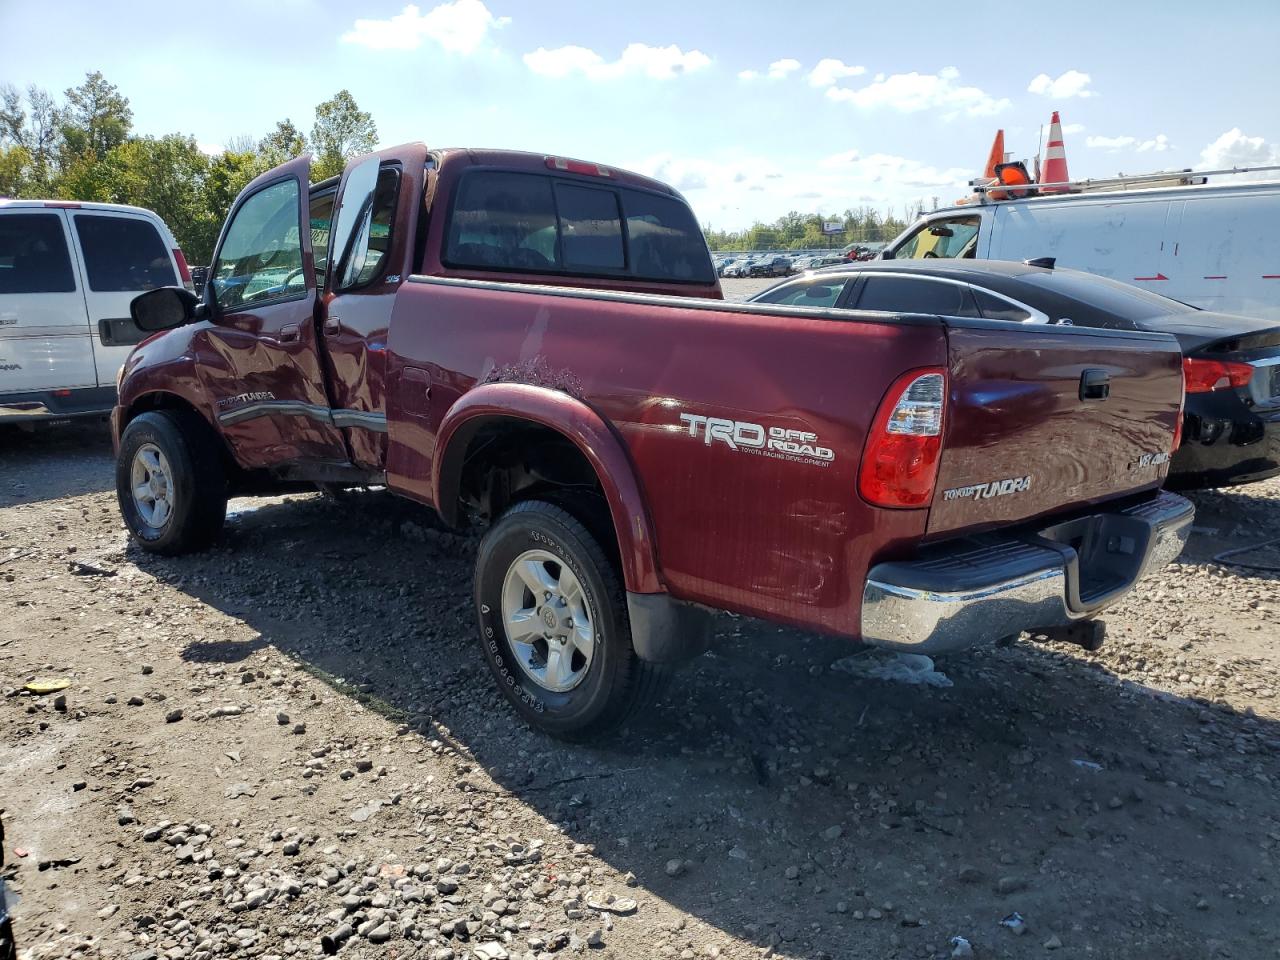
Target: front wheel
x=170 y=482
x=554 y=626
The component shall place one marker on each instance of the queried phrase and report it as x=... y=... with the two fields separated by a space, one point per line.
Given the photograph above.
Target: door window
x=994 y=308
x=123 y=254
x=33 y=255
x=261 y=258
x=916 y=295
x=812 y=293
x=321 y=216
x=945 y=239
x=373 y=242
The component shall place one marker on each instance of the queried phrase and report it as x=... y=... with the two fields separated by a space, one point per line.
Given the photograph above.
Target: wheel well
x=507 y=460
x=171 y=402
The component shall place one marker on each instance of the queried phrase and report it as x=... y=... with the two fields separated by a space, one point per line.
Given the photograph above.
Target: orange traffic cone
x=994 y=159
x=1055 y=159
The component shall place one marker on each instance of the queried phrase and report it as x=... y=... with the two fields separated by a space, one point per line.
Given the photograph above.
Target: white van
x=1214 y=246
x=67 y=274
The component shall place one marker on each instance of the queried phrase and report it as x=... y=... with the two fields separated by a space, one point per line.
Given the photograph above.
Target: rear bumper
x=1225 y=443
x=56 y=404
x=960 y=594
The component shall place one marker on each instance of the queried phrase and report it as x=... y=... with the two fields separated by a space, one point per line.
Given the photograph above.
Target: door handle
x=289 y=333
x=1095 y=385
x=332 y=326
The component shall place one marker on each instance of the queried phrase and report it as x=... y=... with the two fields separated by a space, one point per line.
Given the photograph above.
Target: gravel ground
x=289 y=745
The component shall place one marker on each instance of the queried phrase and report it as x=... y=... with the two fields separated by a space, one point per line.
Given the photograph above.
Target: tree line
x=799 y=231
x=83 y=147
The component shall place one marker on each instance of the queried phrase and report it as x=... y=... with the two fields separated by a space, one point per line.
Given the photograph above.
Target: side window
x=33 y=255
x=372 y=243
x=944 y=239
x=994 y=308
x=321 y=217
x=665 y=240
x=123 y=254
x=915 y=295
x=261 y=258
x=590 y=228
x=503 y=221
x=813 y=293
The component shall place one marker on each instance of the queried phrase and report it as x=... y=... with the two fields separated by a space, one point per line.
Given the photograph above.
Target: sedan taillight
x=1205 y=376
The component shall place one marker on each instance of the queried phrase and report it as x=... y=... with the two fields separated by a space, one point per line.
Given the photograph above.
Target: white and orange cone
x=1055 y=159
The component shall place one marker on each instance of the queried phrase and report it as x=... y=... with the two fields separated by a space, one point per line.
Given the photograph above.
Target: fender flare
x=582 y=427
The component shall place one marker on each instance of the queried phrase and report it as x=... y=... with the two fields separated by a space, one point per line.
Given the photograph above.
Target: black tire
x=198 y=481
x=616 y=683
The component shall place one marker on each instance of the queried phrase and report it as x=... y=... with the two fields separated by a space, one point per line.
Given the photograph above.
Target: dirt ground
x=289 y=745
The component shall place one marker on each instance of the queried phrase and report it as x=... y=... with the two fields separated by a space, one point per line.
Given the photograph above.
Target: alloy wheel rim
x=548 y=623
x=151 y=483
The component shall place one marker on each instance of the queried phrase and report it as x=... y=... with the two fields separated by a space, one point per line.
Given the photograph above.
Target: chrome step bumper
x=960 y=594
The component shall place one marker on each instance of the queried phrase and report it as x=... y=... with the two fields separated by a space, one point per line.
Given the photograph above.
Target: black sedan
x=1231 y=429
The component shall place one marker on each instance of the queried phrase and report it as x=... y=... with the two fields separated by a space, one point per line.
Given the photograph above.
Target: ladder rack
x=982 y=186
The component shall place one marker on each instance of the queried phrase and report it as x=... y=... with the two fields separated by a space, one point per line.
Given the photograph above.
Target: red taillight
x=1205 y=376
x=578 y=166
x=183 y=270
x=1182 y=408
x=900 y=462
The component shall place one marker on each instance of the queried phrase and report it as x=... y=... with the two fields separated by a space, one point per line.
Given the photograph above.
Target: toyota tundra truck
x=538 y=348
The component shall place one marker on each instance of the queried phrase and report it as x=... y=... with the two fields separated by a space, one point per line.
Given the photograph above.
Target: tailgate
x=1027 y=433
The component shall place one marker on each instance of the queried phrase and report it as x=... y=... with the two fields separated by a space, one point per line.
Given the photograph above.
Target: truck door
x=44 y=333
x=375 y=223
x=266 y=376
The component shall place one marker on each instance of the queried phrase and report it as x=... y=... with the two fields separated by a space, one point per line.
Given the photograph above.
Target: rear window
x=519 y=221
x=33 y=255
x=1112 y=296
x=123 y=254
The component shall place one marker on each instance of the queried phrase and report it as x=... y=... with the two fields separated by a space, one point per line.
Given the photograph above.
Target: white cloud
x=657 y=63
x=912 y=92
x=210 y=149
x=1073 y=128
x=1234 y=149
x=1073 y=83
x=461 y=26
x=828 y=71
x=779 y=69
x=1157 y=144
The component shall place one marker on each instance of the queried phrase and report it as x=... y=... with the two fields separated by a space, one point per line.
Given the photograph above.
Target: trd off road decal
x=780 y=443
x=985 y=491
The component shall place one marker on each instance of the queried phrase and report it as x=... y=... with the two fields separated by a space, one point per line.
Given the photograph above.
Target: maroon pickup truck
x=539 y=347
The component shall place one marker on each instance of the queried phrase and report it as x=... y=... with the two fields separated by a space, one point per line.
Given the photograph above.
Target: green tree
x=283 y=143
x=96 y=119
x=35 y=129
x=342 y=130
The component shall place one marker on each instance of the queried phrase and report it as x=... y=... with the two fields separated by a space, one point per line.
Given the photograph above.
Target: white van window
x=123 y=254
x=945 y=239
x=33 y=255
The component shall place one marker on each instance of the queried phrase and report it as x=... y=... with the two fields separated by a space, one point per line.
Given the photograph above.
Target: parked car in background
x=740 y=268
x=770 y=266
x=913 y=482
x=68 y=272
x=1214 y=245
x=1231 y=424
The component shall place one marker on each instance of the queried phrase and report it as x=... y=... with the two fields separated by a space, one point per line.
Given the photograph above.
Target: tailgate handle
x=1095 y=385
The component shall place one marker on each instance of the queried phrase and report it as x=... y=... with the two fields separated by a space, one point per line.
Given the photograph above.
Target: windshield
x=1106 y=294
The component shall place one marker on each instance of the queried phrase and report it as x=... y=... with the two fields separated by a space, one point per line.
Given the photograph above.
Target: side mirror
x=163 y=308
x=886 y=254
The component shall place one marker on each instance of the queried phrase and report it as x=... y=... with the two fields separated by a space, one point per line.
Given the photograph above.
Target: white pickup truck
x=68 y=272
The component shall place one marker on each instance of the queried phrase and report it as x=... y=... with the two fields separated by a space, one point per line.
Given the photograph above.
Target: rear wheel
x=554 y=627
x=170 y=482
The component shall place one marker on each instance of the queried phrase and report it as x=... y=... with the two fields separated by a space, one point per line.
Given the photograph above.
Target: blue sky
x=750 y=108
